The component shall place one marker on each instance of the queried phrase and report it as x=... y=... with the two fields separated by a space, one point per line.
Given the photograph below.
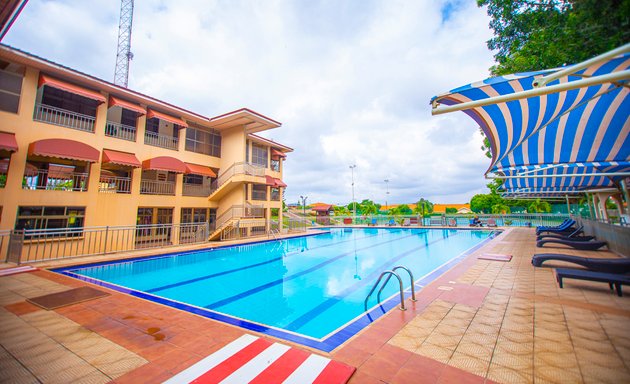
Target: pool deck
x=482 y=321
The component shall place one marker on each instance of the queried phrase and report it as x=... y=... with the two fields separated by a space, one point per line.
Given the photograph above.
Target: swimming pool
x=309 y=289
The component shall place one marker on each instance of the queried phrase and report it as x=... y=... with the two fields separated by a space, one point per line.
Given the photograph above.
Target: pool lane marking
x=213 y=275
x=273 y=283
x=323 y=306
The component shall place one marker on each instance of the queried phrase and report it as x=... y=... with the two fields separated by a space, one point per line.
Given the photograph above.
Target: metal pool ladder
x=389 y=274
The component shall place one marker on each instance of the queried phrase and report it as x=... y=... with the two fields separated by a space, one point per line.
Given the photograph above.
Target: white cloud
x=350 y=81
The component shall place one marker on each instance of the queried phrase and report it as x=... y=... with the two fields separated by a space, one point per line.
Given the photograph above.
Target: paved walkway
x=483 y=321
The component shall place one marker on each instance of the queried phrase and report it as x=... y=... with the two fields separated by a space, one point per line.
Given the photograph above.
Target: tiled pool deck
x=483 y=321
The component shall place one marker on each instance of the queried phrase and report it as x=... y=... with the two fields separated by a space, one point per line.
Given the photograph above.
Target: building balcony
x=120 y=131
x=155 y=187
x=64 y=118
x=196 y=190
x=44 y=179
x=162 y=141
x=114 y=184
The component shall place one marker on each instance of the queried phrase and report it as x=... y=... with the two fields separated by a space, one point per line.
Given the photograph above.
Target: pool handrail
x=402 y=297
x=413 y=289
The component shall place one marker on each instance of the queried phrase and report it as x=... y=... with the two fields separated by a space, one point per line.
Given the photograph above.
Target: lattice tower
x=124 y=55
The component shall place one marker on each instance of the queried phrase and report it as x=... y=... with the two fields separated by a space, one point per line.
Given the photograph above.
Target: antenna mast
x=124 y=55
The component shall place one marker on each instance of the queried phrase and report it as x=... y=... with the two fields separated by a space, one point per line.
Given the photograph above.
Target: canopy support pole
x=568 y=204
x=608 y=78
x=626 y=197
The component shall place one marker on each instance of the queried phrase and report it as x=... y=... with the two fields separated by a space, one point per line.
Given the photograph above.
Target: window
x=153 y=125
x=275 y=194
x=128 y=117
x=193 y=179
x=10 y=86
x=259 y=192
x=69 y=101
x=259 y=155
x=194 y=215
x=39 y=217
x=203 y=141
x=275 y=165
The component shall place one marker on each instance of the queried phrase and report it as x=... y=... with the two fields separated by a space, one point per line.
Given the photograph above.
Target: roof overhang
x=268 y=142
x=9 y=12
x=250 y=120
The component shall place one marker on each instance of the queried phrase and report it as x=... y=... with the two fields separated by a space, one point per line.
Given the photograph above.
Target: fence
x=51 y=244
x=64 y=118
x=515 y=220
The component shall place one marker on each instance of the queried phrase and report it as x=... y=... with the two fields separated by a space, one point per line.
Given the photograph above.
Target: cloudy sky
x=350 y=80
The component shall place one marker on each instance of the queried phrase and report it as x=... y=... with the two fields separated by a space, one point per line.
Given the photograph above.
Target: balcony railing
x=196 y=190
x=120 y=131
x=240 y=168
x=239 y=212
x=53 y=181
x=114 y=184
x=154 y=187
x=63 y=118
x=162 y=141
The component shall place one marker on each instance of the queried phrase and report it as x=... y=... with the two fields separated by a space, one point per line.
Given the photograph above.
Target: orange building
x=461 y=208
x=77 y=151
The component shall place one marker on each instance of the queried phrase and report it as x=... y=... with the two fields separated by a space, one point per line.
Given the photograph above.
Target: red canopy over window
x=162 y=116
x=121 y=158
x=164 y=163
x=116 y=102
x=59 y=84
x=7 y=142
x=199 y=170
x=64 y=149
x=280 y=183
x=276 y=155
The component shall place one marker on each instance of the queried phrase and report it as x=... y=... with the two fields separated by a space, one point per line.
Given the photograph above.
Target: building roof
x=253 y=121
x=441 y=208
x=322 y=208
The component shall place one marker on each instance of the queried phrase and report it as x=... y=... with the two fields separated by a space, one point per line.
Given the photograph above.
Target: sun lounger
x=492 y=222
x=405 y=222
x=452 y=223
x=391 y=223
x=618 y=265
x=613 y=280
x=567 y=231
x=562 y=237
x=413 y=221
x=564 y=224
x=583 y=245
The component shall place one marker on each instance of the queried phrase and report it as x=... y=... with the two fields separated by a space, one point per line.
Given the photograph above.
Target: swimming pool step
x=251 y=359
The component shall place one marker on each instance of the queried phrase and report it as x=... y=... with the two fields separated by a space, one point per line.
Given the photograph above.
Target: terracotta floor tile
x=419 y=369
x=452 y=375
x=22 y=308
x=351 y=355
x=363 y=378
x=381 y=367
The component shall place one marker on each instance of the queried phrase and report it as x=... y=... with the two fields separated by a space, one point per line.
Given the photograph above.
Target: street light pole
x=304 y=205
x=354 y=205
x=386 y=193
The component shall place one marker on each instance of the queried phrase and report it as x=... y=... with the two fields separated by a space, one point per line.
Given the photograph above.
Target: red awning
x=270 y=181
x=116 y=102
x=280 y=183
x=64 y=149
x=55 y=83
x=121 y=158
x=162 y=116
x=164 y=163
x=60 y=172
x=7 y=142
x=275 y=154
x=199 y=170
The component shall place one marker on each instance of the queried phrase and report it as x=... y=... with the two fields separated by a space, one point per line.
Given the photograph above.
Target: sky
x=350 y=81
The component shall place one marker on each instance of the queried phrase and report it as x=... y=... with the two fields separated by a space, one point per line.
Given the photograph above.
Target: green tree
x=368 y=207
x=341 y=211
x=450 y=210
x=423 y=207
x=404 y=209
x=500 y=208
x=533 y=35
x=539 y=206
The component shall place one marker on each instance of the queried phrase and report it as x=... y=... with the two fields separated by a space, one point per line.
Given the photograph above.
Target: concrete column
x=626 y=197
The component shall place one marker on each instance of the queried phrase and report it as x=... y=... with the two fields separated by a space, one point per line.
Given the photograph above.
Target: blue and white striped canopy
x=579 y=131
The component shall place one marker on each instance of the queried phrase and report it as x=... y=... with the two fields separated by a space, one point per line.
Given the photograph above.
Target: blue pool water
x=309 y=289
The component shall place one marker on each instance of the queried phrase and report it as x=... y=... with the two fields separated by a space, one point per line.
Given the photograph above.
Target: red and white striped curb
x=250 y=359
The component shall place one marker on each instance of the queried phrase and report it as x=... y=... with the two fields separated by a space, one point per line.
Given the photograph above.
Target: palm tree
x=423 y=207
x=539 y=206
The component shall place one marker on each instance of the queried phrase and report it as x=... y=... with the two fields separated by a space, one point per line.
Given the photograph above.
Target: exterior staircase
x=237 y=217
x=236 y=175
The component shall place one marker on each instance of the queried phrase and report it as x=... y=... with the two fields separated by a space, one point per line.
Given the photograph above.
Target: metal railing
x=120 y=131
x=459 y=220
x=154 y=187
x=58 y=181
x=239 y=229
x=240 y=168
x=259 y=195
x=162 y=141
x=26 y=246
x=64 y=118
x=196 y=190
x=240 y=212
x=114 y=184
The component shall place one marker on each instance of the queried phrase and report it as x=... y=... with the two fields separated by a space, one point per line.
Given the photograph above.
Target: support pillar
x=626 y=196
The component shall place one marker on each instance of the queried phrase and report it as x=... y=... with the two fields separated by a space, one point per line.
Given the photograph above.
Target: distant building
x=461 y=208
